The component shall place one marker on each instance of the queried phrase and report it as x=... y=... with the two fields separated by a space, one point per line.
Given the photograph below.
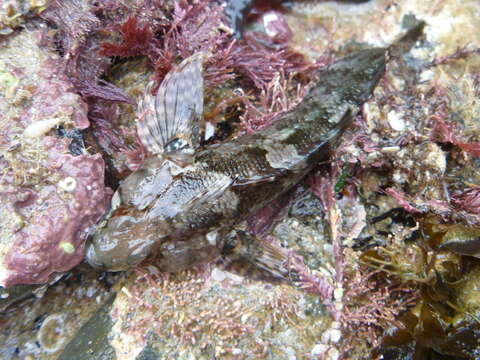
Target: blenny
x=182 y=206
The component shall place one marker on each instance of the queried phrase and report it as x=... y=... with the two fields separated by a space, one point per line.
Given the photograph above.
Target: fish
x=184 y=206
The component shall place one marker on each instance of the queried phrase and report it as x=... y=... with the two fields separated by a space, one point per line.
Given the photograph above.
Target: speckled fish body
x=184 y=200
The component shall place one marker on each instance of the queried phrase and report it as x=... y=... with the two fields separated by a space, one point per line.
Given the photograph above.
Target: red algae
x=136 y=40
x=468 y=200
x=445 y=132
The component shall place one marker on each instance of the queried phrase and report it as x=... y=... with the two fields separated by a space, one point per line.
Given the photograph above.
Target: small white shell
x=41 y=127
x=68 y=184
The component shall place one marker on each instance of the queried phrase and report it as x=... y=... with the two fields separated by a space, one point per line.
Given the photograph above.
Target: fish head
x=128 y=233
x=128 y=239
x=125 y=240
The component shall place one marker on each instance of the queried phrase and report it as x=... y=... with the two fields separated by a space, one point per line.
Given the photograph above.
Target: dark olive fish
x=183 y=204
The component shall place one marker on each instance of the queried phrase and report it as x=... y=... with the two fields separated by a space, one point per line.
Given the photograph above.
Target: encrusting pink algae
x=50 y=197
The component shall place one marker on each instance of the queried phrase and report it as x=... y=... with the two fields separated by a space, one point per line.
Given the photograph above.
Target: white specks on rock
x=332 y=335
x=372 y=113
x=291 y=355
x=427 y=75
x=209 y=130
x=435 y=158
x=327 y=351
x=319 y=349
x=332 y=354
x=390 y=149
x=396 y=121
x=218 y=275
x=236 y=351
x=336 y=335
x=268 y=18
x=338 y=293
x=399 y=177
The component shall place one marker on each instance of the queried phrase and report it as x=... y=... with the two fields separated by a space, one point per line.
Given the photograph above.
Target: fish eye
x=176 y=144
x=231 y=242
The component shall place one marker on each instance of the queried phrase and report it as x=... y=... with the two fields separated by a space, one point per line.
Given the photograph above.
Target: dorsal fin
x=170 y=119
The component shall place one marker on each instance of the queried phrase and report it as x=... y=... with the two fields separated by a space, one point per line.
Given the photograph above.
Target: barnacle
x=68 y=184
x=50 y=335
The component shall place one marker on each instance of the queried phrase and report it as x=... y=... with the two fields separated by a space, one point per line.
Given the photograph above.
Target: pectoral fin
x=255 y=257
x=170 y=120
x=211 y=194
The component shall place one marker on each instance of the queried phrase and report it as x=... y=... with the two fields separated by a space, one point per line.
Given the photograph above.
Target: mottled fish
x=183 y=204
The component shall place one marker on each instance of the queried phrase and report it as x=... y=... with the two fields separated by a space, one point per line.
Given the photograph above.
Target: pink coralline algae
x=49 y=198
x=63 y=212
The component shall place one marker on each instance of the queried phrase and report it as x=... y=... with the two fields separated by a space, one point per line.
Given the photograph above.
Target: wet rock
x=15 y=294
x=91 y=341
x=306 y=208
x=193 y=315
x=41 y=325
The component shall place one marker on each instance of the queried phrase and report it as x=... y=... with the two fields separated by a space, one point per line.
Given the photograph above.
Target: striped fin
x=256 y=258
x=170 y=119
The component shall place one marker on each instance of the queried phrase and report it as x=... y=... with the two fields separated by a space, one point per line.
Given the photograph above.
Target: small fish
x=183 y=205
